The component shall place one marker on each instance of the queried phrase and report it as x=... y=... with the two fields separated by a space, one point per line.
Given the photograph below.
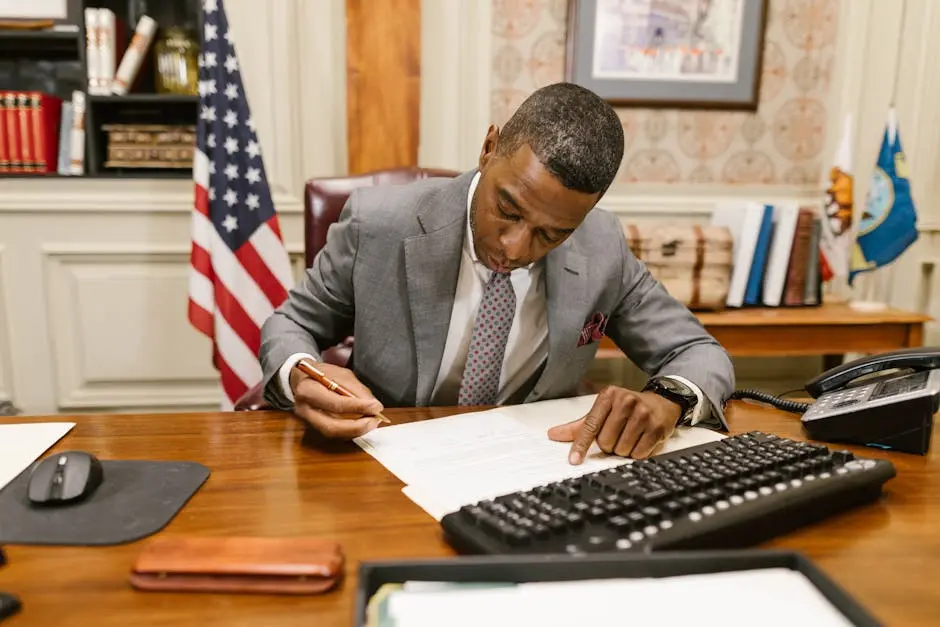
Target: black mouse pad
x=135 y=499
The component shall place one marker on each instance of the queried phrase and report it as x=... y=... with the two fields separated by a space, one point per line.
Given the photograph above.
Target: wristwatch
x=677 y=392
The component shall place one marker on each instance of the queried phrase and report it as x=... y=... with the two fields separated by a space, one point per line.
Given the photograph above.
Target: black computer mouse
x=65 y=477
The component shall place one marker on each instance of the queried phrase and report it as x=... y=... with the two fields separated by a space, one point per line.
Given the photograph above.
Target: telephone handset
x=919 y=358
x=886 y=400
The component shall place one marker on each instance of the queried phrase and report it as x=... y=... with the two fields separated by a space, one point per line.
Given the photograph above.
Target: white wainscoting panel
x=6 y=383
x=114 y=340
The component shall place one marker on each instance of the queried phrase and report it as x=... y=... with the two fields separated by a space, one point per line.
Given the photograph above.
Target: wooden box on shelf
x=149 y=145
x=692 y=262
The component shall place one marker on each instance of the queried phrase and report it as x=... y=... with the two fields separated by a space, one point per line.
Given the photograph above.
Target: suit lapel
x=566 y=301
x=432 y=264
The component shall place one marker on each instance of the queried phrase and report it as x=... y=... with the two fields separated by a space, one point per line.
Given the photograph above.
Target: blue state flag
x=888 y=225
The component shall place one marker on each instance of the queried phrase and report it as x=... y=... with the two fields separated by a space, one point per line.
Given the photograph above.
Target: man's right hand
x=320 y=407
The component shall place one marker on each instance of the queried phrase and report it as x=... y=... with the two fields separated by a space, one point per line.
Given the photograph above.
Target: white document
x=23 y=443
x=449 y=462
x=768 y=597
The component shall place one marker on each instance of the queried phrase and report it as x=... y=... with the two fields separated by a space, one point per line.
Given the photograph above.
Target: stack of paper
x=767 y=597
x=450 y=462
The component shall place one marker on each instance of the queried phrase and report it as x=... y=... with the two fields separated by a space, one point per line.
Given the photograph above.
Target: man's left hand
x=624 y=422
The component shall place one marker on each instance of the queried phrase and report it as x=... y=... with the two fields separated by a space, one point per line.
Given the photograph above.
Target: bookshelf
x=54 y=61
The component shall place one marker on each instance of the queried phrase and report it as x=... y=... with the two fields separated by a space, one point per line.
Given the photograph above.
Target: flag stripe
x=233 y=313
x=202 y=231
x=241 y=361
x=268 y=244
x=201 y=171
x=200 y=285
x=266 y=281
x=239 y=283
x=201 y=319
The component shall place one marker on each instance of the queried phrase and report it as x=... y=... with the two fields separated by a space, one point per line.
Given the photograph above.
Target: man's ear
x=489 y=145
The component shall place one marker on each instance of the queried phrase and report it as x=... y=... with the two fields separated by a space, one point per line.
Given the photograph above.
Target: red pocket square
x=593 y=330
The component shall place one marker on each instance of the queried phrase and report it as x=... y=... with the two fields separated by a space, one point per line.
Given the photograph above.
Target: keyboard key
x=672 y=508
x=636 y=518
x=652 y=513
x=841 y=457
x=596 y=513
x=613 y=507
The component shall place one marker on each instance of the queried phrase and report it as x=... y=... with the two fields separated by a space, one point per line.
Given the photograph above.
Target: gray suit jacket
x=388 y=274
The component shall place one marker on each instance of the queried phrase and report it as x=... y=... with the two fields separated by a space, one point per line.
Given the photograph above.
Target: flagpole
x=897 y=61
x=870 y=283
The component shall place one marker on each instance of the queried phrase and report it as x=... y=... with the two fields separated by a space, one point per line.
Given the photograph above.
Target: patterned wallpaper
x=781 y=143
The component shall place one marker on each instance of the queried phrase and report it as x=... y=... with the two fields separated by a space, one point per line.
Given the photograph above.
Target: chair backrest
x=324 y=199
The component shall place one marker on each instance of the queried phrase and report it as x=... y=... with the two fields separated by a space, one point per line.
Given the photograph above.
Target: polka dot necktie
x=480 y=384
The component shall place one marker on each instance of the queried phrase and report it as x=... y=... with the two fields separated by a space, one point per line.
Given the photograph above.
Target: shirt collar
x=468 y=240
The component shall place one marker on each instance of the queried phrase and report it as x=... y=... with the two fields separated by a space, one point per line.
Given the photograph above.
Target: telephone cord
x=795 y=407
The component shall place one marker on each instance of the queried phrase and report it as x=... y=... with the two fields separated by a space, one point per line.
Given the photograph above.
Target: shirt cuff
x=698 y=412
x=283 y=374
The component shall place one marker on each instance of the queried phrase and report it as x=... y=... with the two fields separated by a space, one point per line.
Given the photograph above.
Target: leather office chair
x=324 y=199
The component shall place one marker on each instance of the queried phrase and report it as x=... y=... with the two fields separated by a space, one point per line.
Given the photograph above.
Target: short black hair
x=573 y=132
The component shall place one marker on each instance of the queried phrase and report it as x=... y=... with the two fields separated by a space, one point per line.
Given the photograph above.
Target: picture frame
x=63 y=15
x=702 y=54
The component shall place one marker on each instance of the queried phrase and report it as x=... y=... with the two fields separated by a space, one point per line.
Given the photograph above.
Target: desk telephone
x=883 y=401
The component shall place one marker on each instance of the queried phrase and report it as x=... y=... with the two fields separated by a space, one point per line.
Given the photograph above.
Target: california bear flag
x=835 y=242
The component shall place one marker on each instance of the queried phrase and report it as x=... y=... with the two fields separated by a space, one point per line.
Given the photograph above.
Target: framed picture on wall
x=668 y=53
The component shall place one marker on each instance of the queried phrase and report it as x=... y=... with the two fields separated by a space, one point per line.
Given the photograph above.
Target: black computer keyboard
x=733 y=493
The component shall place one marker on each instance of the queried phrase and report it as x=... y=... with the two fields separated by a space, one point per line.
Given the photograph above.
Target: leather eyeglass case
x=241 y=565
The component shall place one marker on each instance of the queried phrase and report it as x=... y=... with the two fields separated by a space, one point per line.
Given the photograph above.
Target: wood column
x=383 y=83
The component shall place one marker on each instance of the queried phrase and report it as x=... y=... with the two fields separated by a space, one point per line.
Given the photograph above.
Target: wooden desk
x=267 y=479
x=831 y=329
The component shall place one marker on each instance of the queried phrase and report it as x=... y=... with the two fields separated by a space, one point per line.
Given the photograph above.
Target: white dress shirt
x=526 y=347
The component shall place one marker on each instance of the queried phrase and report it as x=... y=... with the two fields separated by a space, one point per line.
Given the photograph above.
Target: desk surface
x=269 y=478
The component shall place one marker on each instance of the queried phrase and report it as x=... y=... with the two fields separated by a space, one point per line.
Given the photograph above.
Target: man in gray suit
x=495 y=287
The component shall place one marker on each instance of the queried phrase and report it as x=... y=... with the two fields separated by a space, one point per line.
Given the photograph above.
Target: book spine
x=77 y=156
x=796 y=272
x=811 y=292
x=27 y=147
x=93 y=50
x=4 y=154
x=13 y=133
x=106 y=49
x=46 y=114
x=39 y=134
x=134 y=56
x=65 y=134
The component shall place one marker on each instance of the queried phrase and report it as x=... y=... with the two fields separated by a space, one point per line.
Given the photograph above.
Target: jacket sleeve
x=664 y=338
x=318 y=311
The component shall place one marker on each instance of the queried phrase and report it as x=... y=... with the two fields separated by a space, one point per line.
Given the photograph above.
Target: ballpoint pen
x=319 y=376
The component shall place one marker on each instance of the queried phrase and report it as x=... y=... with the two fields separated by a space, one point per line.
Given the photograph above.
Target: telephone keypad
x=835 y=400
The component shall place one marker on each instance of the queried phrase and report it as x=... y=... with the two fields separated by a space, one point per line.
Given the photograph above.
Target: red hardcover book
x=46 y=115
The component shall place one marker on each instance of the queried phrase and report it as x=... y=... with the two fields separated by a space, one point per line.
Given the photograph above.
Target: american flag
x=240 y=270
